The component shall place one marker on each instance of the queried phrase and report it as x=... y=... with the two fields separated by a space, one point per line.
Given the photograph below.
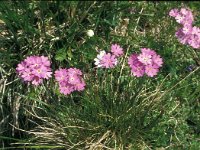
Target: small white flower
x=90 y=33
x=99 y=58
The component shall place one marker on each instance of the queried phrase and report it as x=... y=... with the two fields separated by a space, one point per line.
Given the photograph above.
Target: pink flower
x=196 y=30
x=184 y=16
x=187 y=29
x=61 y=75
x=66 y=90
x=45 y=61
x=188 y=17
x=133 y=59
x=191 y=38
x=21 y=67
x=183 y=38
x=151 y=70
x=173 y=12
x=34 y=69
x=145 y=58
x=41 y=72
x=26 y=74
x=157 y=60
x=69 y=80
x=117 y=50
x=108 y=61
x=73 y=79
x=187 y=34
x=74 y=71
x=179 y=18
x=138 y=69
x=80 y=86
x=194 y=37
x=147 y=62
x=194 y=41
x=148 y=51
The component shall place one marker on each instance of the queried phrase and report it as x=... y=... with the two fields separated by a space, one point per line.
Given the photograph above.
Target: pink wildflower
x=187 y=34
x=184 y=16
x=117 y=50
x=145 y=58
x=151 y=70
x=138 y=70
x=147 y=62
x=187 y=29
x=157 y=60
x=79 y=86
x=73 y=79
x=66 y=90
x=148 y=51
x=69 y=80
x=133 y=59
x=173 y=12
x=192 y=38
x=183 y=38
x=61 y=75
x=34 y=69
x=108 y=61
x=194 y=41
x=26 y=74
x=74 y=71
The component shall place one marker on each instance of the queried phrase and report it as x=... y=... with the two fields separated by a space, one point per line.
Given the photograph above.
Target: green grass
x=116 y=110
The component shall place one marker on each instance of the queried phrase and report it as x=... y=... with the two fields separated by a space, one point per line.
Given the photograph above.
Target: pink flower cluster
x=187 y=34
x=147 y=62
x=109 y=60
x=184 y=16
x=69 y=80
x=34 y=69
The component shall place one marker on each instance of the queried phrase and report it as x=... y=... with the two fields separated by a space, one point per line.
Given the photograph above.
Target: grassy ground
x=116 y=110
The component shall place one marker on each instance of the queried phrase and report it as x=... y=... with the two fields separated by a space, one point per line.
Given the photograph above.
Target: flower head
x=80 y=86
x=192 y=37
x=187 y=34
x=173 y=12
x=138 y=70
x=151 y=70
x=90 y=33
x=145 y=58
x=133 y=59
x=74 y=71
x=69 y=80
x=147 y=62
x=34 y=69
x=67 y=89
x=157 y=60
x=117 y=50
x=183 y=16
x=108 y=61
x=61 y=75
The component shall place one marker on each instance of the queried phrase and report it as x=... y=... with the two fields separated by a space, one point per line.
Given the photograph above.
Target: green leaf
x=61 y=55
